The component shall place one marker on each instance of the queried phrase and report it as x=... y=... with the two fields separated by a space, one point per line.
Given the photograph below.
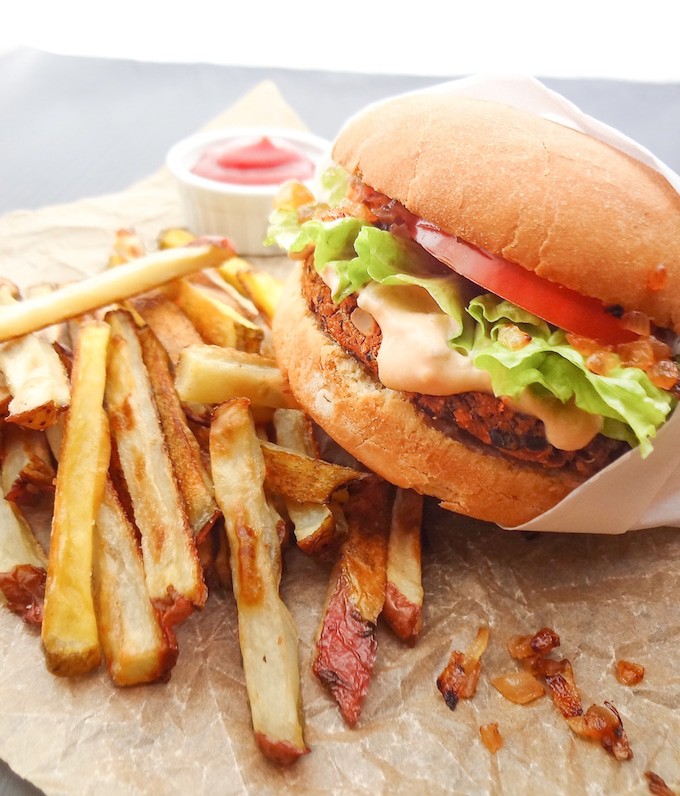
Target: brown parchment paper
x=608 y=597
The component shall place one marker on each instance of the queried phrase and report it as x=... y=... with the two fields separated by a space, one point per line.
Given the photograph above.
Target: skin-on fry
x=170 y=560
x=37 y=381
x=107 y=287
x=208 y=374
x=34 y=375
x=195 y=482
x=135 y=644
x=22 y=566
x=313 y=523
x=268 y=638
x=302 y=478
x=18 y=545
x=403 y=608
x=216 y=320
x=168 y=322
x=347 y=645
x=69 y=628
x=27 y=469
x=5 y=396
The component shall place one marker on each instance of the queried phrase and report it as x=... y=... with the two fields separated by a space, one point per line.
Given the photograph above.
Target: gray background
x=73 y=127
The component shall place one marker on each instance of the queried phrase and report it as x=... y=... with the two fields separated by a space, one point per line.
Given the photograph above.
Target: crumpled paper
x=609 y=597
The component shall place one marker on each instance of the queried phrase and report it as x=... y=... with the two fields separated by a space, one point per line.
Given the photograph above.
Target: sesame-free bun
x=383 y=430
x=553 y=200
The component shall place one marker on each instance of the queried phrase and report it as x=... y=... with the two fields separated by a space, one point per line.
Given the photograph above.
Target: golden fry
x=302 y=478
x=314 y=524
x=208 y=374
x=107 y=287
x=261 y=287
x=69 y=629
x=216 y=320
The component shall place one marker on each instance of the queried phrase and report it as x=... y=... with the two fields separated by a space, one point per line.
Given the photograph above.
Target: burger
x=484 y=302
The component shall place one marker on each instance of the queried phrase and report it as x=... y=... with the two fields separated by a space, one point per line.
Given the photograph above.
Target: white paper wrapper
x=632 y=493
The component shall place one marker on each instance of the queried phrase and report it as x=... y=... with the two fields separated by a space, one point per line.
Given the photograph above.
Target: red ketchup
x=259 y=161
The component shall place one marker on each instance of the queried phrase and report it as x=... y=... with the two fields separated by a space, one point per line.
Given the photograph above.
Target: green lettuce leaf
x=633 y=408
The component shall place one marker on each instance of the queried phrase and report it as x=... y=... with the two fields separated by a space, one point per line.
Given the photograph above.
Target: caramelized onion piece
x=459 y=678
x=541 y=643
x=512 y=337
x=657 y=786
x=637 y=322
x=603 y=724
x=657 y=278
x=602 y=362
x=664 y=374
x=628 y=673
x=491 y=737
x=518 y=687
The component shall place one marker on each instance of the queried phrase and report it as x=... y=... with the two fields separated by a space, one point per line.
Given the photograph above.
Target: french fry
x=174 y=237
x=37 y=381
x=313 y=523
x=224 y=291
x=27 y=469
x=269 y=644
x=69 y=628
x=107 y=287
x=127 y=245
x=9 y=291
x=261 y=287
x=22 y=565
x=57 y=334
x=18 y=544
x=34 y=375
x=403 y=608
x=302 y=478
x=346 y=647
x=168 y=322
x=216 y=320
x=170 y=560
x=208 y=374
x=195 y=482
x=136 y=647
x=5 y=396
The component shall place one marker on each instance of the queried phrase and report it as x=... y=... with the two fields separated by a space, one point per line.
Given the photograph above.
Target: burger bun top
x=556 y=201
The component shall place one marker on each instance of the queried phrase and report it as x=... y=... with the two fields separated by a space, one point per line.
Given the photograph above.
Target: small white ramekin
x=240 y=212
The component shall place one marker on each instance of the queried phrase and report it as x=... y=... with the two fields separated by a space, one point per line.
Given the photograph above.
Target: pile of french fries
x=144 y=406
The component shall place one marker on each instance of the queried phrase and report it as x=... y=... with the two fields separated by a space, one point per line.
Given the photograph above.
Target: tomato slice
x=554 y=303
